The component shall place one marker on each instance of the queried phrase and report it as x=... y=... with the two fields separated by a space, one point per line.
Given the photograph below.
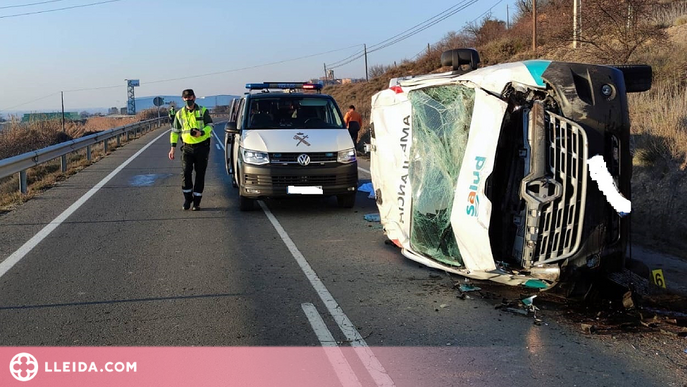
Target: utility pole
x=507 y=18
x=325 y=72
x=62 y=96
x=576 y=22
x=534 y=26
x=428 y=48
x=367 y=78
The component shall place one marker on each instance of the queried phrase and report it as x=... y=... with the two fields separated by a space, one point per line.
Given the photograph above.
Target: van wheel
x=346 y=200
x=246 y=204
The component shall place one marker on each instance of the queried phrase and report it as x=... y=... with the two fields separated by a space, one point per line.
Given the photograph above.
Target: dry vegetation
x=632 y=31
x=17 y=138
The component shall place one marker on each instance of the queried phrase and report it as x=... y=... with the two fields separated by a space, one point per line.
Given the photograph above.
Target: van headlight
x=255 y=157
x=346 y=156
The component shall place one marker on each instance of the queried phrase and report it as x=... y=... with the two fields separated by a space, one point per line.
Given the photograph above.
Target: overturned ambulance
x=517 y=173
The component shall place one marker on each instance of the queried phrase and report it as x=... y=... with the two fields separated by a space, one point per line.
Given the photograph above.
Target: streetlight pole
x=534 y=26
x=62 y=96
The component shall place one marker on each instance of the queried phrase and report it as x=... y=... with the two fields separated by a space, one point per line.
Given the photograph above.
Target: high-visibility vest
x=191 y=120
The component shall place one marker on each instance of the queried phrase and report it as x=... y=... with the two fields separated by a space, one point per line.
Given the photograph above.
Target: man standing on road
x=172 y=114
x=194 y=124
x=353 y=122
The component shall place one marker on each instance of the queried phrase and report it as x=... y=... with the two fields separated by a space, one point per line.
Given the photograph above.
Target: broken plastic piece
x=535 y=284
x=528 y=301
x=367 y=187
x=468 y=288
x=372 y=217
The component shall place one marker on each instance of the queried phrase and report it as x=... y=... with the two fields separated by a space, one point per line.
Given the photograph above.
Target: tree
x=614 y=30
x=487 y=30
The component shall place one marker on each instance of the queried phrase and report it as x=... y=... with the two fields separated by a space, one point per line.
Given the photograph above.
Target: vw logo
x=304 y=159
x=24 y=367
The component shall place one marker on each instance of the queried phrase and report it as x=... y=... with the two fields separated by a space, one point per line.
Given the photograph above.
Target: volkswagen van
x=287 y=139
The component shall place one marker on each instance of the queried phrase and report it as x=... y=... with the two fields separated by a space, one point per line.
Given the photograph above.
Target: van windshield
x=286 y=112
x=441 y=117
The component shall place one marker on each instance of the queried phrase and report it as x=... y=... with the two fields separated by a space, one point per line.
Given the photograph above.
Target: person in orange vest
x=353 y=122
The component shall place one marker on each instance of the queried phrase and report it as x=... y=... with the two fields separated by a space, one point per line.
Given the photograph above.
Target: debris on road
x=367 y=187
x=523 y=307
x=465 y=288
x=588 y=328
x=372 y=217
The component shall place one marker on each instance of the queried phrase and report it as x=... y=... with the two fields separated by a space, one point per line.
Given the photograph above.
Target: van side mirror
x=230 y=128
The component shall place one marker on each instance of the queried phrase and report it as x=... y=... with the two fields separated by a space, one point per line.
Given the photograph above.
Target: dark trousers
x=194 y=156
x=353 y=129
x=354 y=135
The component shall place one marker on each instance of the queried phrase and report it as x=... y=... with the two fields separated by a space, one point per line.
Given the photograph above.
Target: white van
x=282 y=141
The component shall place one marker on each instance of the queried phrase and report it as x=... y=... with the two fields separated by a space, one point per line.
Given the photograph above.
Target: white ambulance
x=488 y=173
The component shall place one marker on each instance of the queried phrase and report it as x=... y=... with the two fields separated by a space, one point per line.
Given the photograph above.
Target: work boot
x=196 y=203
x=188 y=198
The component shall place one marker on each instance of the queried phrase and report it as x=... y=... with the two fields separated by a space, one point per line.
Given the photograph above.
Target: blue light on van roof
x=284 y=85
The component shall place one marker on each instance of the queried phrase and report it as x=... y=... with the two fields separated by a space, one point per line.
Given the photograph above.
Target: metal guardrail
x=20 y=163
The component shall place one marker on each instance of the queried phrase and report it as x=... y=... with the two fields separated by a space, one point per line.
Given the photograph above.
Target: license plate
x=304 y=190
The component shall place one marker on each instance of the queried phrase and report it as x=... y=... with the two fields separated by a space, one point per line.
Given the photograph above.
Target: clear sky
x=217 y=46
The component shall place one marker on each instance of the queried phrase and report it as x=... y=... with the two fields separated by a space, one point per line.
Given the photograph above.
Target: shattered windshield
x=440 y=125
x=287 y=112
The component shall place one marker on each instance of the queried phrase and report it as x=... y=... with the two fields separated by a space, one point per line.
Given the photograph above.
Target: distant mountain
x=210 y=101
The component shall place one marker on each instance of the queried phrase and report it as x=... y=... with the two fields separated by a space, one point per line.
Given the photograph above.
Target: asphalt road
x=127 y=267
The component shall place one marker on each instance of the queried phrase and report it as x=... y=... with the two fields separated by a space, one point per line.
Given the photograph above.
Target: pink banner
x=165 y=366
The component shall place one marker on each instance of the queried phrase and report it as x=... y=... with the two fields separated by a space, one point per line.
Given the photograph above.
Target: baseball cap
x=187 y=93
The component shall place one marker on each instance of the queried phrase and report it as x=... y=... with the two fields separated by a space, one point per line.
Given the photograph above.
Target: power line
x=30 y=4
x=447 y=12
x=442 y=18
x=249 y=67
x=419 y=54
x=59 y=9
x=188 y=77
x=443 y=15
x=26 y=103
x=486 y=12
x=346 y=58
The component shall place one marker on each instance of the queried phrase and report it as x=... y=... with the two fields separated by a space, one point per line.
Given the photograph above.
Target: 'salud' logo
x=301 y=138
x=24 y=367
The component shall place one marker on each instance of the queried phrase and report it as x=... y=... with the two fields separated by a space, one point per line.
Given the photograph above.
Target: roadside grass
x=18 y=138
x=47 y=175
x=659 y=182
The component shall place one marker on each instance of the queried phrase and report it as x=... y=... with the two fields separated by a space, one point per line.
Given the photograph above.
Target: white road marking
x=220 y=144
x=374 y=367
x=364 y=170
x=336 y=357
x=218 y=148
x=12 y=260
